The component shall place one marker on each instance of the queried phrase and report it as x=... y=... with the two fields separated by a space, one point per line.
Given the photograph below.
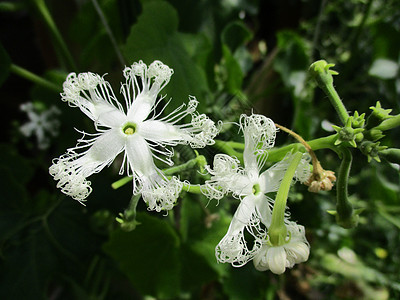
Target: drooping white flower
x=277 y=258
x=42 y=124
x=139 y=132
x=254 y=211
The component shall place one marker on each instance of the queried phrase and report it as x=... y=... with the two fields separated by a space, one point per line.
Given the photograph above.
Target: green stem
x=277 y=231
x=228 y=148
x=34 y=78
x=336 y=102
x=328 y=142
x=200 y=160
x=109 y=32
x=343 y=206
x=44 y=11
x=191 y=188
x=346 y=216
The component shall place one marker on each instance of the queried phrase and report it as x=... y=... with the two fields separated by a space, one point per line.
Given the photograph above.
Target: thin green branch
x=34 y=78
x=109 y=32
x=48 y=19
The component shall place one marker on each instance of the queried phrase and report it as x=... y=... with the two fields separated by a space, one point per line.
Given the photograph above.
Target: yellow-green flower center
x=129 y=128
x=256 y=189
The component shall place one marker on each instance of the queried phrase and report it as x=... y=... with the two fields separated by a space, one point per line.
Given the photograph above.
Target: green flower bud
x=392 y=155
x=372 y=150
x=378 y=115
x=374 y=134
x=347 y=134
x=322 y=73
x=357 y=121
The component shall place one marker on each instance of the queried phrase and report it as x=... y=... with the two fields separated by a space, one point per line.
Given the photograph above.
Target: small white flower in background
x=254 y=211
x=139 y=132
x=42 y=123
x=277 y=258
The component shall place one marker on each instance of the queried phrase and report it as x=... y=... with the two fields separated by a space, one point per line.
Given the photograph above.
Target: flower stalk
x=277 y=231
x=322 y=74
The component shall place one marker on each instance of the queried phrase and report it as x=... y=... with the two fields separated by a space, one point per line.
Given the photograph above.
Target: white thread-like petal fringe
x=164 y=196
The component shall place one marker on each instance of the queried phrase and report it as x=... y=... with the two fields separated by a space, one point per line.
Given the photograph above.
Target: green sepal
x=127 y=219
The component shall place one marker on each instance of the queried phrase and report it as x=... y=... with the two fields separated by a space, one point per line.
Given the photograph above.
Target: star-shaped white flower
x=41 y=123
x=254 y=211
x=278 y=258
x=139 y=132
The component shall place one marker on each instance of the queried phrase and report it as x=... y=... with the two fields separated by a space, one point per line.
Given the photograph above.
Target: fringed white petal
x=259 y=135
x=141 y=96
x=162 y=132
x=94 y=96
x=72 y=168
x=164 y=195
x=227 y=176
x=141 y=164
x=233 y=248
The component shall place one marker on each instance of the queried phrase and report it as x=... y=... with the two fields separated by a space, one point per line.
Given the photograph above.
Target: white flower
x=278 y=258
x=41 y=123
x=139 y=132
x=254 y=211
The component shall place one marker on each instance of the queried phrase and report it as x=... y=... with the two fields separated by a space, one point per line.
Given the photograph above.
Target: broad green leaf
x=27 y=267
x=203 y=232
x=155 y=37
x=244 y=283
x=149 y=256
x=196 y=270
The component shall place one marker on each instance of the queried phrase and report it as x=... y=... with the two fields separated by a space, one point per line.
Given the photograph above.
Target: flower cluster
x=139 y=132
x=254 y=213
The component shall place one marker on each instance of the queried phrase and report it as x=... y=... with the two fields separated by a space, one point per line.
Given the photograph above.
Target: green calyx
x=378 y=115
x=322 y=73
x=127 y=219
x=345 y=219
x=372 y=150
x=348 y=134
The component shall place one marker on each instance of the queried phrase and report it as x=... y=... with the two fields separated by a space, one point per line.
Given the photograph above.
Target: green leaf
x=27 y=267
x=293 y=56
x=196 y=270
x=244 y=283
x=234 y=74
x=235 y=34
x=5 y=63
x=155 y=37
x=149 y=256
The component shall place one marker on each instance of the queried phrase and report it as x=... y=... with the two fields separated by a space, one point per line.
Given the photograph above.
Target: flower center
x=256 y=189
x=129 y=128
